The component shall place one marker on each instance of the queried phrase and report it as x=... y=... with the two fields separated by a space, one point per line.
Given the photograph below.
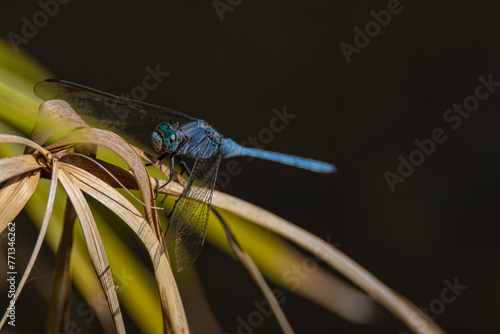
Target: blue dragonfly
x=164 y=131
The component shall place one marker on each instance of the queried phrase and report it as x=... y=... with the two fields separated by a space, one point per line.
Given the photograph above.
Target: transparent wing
x=190 y=216
x=130 y=119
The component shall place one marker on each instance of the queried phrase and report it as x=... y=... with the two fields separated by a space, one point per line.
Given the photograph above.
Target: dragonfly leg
x=185 y=168
x=172 y=164
x=161 y=157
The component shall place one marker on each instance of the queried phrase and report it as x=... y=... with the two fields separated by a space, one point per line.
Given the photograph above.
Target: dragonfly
x=160 y=130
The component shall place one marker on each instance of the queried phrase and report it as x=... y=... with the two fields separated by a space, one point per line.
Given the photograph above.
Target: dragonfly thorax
x=165 y=138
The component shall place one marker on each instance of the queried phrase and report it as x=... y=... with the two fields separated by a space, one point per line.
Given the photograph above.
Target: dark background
x=439 y=224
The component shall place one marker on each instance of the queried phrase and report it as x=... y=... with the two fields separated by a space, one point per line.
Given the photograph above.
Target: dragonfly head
x=165 y=138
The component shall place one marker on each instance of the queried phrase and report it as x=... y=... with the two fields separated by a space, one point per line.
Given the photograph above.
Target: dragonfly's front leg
x=160 y=158
x=172 y=168
x=185 y=168
x=172 y=163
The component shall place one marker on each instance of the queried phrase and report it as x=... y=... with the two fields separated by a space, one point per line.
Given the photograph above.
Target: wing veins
x=191 y=213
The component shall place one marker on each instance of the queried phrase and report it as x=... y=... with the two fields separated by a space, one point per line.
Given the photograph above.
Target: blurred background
x=359 y=102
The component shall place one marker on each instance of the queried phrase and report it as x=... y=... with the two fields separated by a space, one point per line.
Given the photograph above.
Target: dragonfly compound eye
x=164 y=138
x=170 y=140
x=162 y=127
x=157 y=140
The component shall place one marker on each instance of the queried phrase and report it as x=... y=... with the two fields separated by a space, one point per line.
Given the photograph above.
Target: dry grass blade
x=41 y=237
x=95 y=247
x=17 y=165
x=5 y=138
x=101 y=167
x=54 y=117
x=126 y=177
x=14 y=195
x=254 y=271
x=108 y=196
x=400 y=307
